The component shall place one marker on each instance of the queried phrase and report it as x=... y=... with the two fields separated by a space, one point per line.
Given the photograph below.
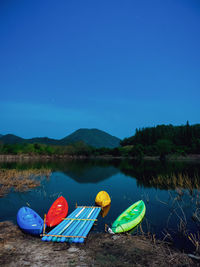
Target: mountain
x=92 y=137
x=12 y=139
x=1 y=135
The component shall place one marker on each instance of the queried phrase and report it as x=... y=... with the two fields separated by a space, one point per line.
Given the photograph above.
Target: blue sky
x=112 y=65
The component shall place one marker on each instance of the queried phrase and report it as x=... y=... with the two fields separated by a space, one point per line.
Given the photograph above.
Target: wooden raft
x=75 y=227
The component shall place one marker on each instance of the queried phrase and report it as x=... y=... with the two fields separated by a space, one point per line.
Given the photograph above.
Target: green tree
x=137 y=151
x=164 y=147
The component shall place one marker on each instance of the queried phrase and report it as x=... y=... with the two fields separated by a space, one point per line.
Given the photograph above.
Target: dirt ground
x=19 y=249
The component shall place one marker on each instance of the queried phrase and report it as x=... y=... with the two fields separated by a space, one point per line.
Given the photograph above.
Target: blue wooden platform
x=75 y=227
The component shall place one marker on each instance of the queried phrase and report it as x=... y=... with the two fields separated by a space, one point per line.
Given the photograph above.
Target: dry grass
x=127 y=250
x=180 y=180
x=183 y=185
x=20 y=180
x=195 y=239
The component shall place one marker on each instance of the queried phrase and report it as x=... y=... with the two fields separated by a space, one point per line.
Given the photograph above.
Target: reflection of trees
x=82 y=171
x=91 y=175
x=87 y=171
x=163 y=175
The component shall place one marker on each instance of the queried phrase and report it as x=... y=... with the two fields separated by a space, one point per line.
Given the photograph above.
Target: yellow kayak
x=103 y=199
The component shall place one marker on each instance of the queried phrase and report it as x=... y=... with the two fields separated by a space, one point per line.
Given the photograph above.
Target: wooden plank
x=44 y=223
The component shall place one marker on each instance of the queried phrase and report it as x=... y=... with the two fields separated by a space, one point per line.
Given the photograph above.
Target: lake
x=170 y=191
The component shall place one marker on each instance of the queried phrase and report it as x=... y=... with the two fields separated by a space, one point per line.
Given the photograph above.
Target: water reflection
x=105 y=210
x=86 y=172
x=82 y=171
x=167 y=175
x=170 y=191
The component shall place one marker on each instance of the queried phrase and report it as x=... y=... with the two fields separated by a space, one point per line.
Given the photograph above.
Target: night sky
x=112 y=65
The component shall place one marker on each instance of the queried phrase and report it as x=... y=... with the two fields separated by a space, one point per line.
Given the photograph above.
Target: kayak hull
x=130 y=218
x=57 y=212
x=29 y=221
x=103 y=199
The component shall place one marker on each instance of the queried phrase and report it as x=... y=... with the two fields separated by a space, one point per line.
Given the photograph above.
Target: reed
x=177 y=181
x=21 y=180
x=185 y=192
x=167 y=235
x=182 y=227
x=196 y=215
x=195 y=239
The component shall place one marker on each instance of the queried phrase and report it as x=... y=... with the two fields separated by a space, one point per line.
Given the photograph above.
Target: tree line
x=165 y=139
x=151 y=141
x=79 y=148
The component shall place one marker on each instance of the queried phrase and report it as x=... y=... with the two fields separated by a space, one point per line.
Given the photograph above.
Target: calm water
x=170 y=192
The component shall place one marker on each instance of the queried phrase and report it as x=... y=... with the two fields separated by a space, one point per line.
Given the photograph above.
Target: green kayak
x=129 y=218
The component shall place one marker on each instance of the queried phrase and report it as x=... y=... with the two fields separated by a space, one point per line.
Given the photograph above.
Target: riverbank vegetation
x=165 y=139
x=20 y=180
x=158 y=141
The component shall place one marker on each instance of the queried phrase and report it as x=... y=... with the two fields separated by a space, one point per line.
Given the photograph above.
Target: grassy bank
x=28 y=157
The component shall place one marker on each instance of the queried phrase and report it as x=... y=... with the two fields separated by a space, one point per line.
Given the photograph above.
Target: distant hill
x=43 y=140
x=11 y=139
x=92 y=137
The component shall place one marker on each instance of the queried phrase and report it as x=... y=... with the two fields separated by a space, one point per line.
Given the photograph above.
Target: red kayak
x=57 y=212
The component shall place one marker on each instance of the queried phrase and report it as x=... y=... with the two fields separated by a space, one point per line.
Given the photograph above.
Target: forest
x=165 y=139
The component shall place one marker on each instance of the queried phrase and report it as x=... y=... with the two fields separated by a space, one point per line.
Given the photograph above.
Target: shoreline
x=27 y=157
x=99 y=249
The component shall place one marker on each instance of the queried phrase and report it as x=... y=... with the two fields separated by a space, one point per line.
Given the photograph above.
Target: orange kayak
x=57 y=212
